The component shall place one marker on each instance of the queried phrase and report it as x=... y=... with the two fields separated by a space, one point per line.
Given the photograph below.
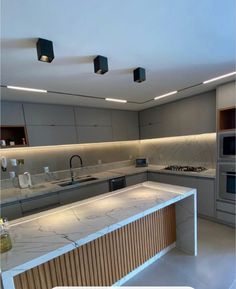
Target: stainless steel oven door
x=227 y=145
x=227 y=181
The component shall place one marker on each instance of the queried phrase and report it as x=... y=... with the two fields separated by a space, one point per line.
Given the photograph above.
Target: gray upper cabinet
x=192 y=115
x=51 y=135
x=125 y=125
x=48 y=114
x=149 y=116
x=92 y=134
x=92 y=116
x=12 y=113
x=93 y=125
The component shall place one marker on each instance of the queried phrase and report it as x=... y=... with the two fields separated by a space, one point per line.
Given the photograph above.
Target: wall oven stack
x=226 y=165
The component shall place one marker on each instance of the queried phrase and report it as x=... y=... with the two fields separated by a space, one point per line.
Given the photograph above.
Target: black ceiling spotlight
x=139 y=74
x=45 y=50
x=100 y=64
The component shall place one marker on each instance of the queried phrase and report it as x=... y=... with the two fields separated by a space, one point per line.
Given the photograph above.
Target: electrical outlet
x=21 y=162
x=99 y=162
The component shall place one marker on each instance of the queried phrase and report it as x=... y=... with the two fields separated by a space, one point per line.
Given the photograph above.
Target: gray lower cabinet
x=81 y=193
x=225 y=217
x=136 y=179
x=40 y=203
x=225 y=212
x=11 y=210
x=205 y=189
x=51 y=135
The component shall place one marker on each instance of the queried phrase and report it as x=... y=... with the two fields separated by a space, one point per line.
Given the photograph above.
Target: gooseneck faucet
x=71 y=171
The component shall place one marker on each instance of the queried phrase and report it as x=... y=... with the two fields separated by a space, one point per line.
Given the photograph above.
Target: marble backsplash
x=195 y=150
x=57 y=157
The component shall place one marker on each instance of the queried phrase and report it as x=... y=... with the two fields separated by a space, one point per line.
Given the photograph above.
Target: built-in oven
x=227 y=181
x=227 y=145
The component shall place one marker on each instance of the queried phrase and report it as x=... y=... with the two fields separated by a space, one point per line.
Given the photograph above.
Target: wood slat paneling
x=106 y=260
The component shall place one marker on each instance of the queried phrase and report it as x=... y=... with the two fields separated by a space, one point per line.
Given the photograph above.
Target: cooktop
x=185 y=168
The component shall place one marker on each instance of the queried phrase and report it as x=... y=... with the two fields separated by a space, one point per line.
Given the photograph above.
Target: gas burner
x=185 y=168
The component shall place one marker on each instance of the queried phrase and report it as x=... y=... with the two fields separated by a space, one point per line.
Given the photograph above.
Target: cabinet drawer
x=38 y=204
x=81 y=193
x=229 y=208
x=228 y=218
x=136 y=179
x=11 y=211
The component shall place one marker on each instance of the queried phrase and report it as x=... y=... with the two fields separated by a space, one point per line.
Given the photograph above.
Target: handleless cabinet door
x=205 y=189
x=84 y=192
x=48 y=114
x=93 y=134
x=149 y=116
x=125 y=125
x=12 y=113
x=206 y=197
x=11 y=211
x=40 y=203
x=93 y=125
x=51 y=135
x=136 y=179
x=92 y=116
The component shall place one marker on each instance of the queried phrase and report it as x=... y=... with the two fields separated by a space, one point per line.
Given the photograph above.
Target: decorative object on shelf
x=45 y=50
x=3 y=142
x=100 y=64
x=139 y=74
x=5 y=242
x=13 y=136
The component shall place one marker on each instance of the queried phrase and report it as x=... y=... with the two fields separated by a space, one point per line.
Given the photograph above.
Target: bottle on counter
x=5 y=239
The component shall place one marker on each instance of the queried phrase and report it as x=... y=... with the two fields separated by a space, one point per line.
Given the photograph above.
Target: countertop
x=15 y=194
x=51 y=233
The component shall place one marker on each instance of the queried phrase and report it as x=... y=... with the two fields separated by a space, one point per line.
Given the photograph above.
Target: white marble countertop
x=51 y=233
x=16 y=194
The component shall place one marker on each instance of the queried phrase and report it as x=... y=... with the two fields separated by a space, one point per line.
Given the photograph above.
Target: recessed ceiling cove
x=179 y=43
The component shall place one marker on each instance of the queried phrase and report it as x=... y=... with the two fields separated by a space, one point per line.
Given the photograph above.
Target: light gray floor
x=213 y=268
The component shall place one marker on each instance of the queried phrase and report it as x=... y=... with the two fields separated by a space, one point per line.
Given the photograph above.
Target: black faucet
x=71 y=171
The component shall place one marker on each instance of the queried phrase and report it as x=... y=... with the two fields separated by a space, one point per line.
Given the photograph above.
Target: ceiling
x=180 y=43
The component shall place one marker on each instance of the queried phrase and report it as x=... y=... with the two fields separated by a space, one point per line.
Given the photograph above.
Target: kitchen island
x=102 y=241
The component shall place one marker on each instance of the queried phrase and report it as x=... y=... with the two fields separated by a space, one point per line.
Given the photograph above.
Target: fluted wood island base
x=141 y=223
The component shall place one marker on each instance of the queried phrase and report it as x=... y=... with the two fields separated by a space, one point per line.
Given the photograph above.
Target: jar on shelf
x=5 y=239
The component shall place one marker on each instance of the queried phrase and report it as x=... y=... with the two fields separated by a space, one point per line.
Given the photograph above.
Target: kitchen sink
x=65 y=184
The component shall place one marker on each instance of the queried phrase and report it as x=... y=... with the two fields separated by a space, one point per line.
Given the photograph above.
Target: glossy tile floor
x=213 y=268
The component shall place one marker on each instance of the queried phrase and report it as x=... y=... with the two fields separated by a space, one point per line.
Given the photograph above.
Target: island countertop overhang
x=49 y=234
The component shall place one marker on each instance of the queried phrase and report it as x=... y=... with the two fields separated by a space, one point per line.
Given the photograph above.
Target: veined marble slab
x=15 y=194
x=44 y=236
